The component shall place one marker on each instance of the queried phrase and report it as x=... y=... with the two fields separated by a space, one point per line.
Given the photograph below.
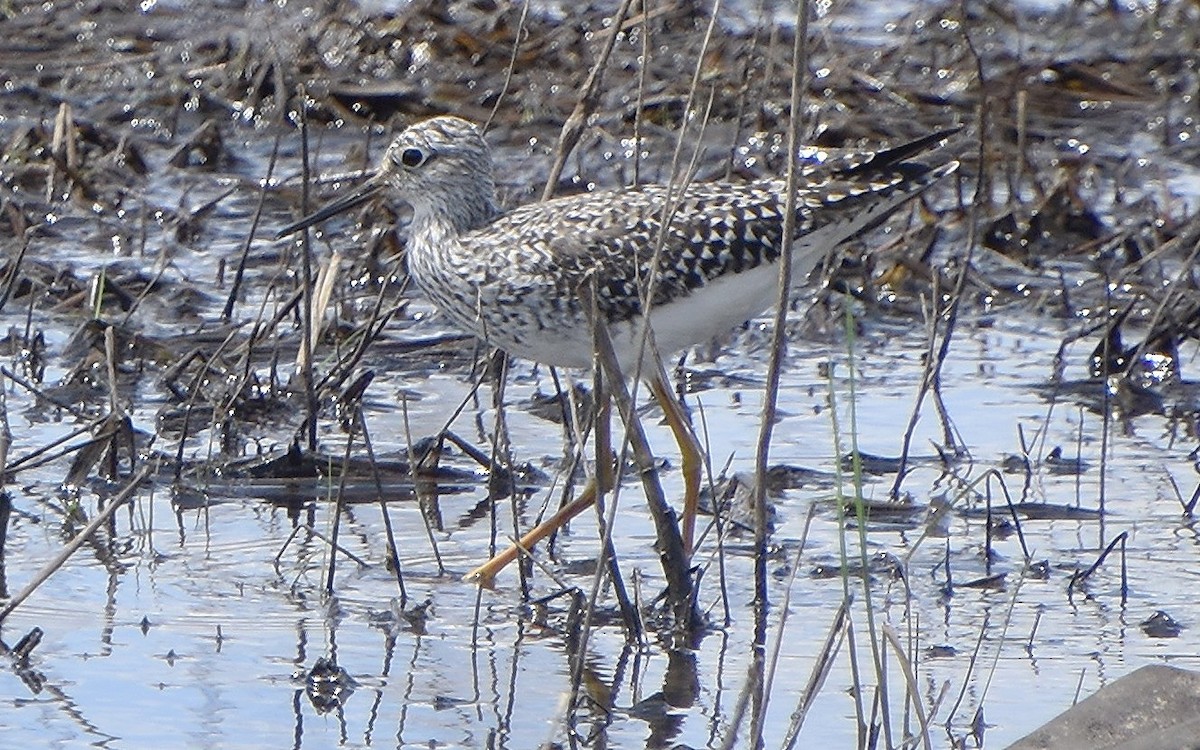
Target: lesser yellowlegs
x=514 y=278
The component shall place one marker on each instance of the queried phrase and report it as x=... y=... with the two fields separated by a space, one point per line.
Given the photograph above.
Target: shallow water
x=137 y=634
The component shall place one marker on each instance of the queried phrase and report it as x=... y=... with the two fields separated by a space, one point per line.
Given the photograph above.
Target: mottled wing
x=713 y=229
x=611 y=237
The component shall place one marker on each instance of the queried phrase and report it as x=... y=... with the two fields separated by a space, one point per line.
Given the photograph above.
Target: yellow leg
x=485 y=574
x=691 y=463
x=691 y=457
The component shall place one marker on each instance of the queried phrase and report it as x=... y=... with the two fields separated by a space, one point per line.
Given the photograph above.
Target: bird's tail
x=847 y=193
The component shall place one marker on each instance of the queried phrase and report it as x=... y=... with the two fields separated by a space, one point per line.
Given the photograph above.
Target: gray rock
x=1155 y=708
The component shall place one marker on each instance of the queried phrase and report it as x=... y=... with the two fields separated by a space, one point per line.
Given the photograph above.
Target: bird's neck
x=448 y=215
x=438 y=227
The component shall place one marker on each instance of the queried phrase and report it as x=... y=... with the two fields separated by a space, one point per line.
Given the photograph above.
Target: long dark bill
x=358 y=197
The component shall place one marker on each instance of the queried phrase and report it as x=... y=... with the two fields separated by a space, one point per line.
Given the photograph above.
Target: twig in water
x=966 y=678
x=500 y=462
x=752 y=688
x=26 y=462
x=340 y=500
x=589 y=95
x=1079 y=578
x=820 y=671
x=236 y=287
x=78 y=540
x=1037 y=619
x=14 y=266
x=1190 y=505
x=931 y=380
x=44 y=396
x=306 y=309
x=1079 y=686
x=1012 y=510
x=605 y=477
x=339 y=548
x=415 y=464
x=910 y=679
x=673 y=557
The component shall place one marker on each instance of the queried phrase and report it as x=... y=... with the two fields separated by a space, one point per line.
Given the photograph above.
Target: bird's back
x=520 y=275
x=713 y=229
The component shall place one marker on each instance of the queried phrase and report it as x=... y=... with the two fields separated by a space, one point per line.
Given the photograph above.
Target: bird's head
x=442 y=167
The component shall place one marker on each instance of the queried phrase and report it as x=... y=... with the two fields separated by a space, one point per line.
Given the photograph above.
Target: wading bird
x=700 y=258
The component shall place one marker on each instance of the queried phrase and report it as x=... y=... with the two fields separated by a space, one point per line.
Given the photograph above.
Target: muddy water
x=196 y=619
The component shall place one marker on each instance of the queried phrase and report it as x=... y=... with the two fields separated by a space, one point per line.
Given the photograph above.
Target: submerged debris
x=1161 y=625
x=327 y=685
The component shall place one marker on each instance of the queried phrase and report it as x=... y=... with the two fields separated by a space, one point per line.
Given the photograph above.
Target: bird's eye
x=412 y=157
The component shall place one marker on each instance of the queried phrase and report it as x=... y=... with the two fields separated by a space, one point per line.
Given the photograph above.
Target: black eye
x=412 y=157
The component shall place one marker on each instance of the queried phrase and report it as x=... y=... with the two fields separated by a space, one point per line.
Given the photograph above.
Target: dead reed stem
x=415 y=463
x=779 y=334
x=820 y=671
x=672 y=555
x=774 y=369
x=773 y=656
x=585 y=104
x=306 y=309
x=239 y=273
x=512 y=64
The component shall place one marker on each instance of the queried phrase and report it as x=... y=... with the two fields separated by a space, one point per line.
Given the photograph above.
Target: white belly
x=719 y=306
